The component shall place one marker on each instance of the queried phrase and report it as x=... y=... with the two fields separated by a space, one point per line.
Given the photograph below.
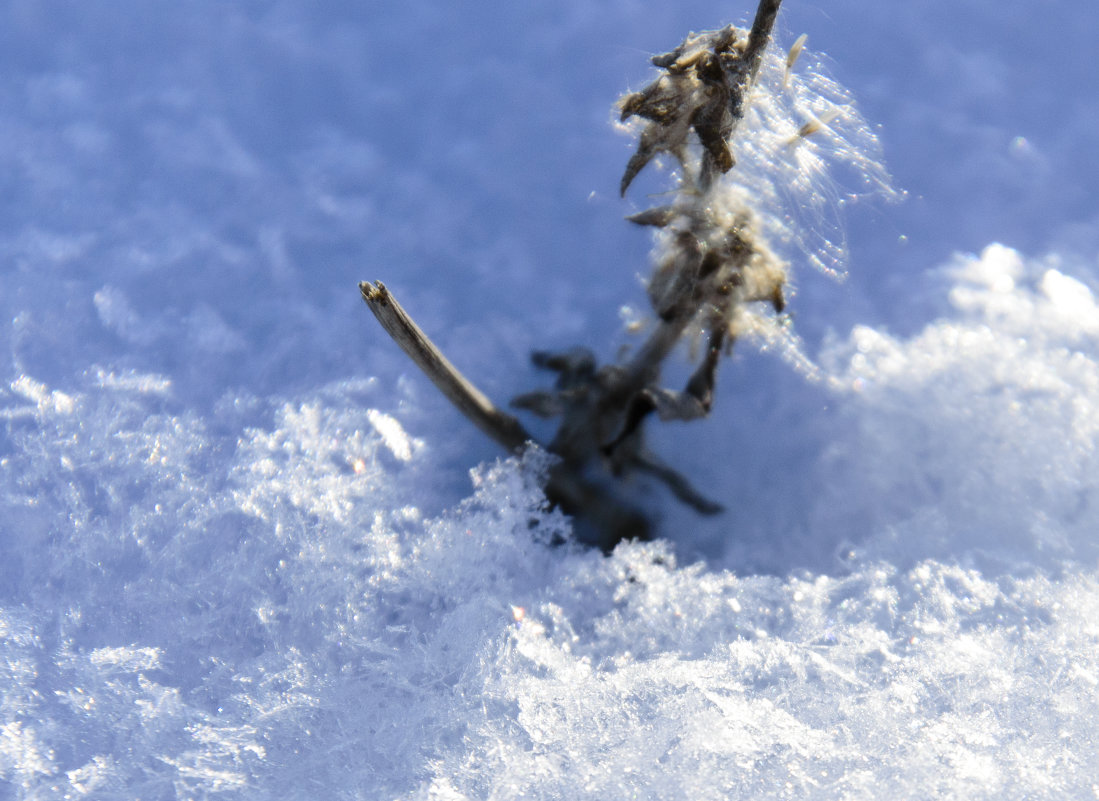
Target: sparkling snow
x=247 y=552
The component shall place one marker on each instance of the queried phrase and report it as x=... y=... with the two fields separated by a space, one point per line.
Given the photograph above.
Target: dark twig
x=760 y=35
x=679 y=486
x=469 y=400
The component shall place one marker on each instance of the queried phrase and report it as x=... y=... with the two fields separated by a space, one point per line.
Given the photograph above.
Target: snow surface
x=239 y=552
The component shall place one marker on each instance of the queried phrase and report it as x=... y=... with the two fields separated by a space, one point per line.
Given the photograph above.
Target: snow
x=247 y=552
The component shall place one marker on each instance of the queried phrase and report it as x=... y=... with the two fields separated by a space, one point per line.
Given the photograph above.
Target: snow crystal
x=42 y=396
x=131 y=659
x=132 y=381
x=393 y=436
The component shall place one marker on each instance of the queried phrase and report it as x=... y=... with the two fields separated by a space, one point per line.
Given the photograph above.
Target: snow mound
x=978 y=434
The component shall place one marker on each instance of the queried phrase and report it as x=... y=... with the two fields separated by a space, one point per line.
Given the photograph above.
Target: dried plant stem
x=760 y=34
x=612 y=519
x=712 y=261
x=643 y=367
x=470 y=401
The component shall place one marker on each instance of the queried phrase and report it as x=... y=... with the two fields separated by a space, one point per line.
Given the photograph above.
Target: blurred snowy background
x=240 y=554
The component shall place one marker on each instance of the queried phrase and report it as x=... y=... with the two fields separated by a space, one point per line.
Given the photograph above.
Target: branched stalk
x=712 y=261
